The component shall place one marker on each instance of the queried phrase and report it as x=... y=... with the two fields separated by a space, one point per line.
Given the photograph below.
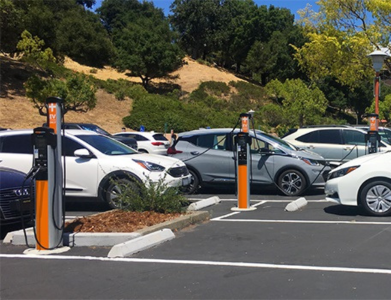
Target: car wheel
x=292 y=182
x=375 y=198
x=194 y=185
x=115 y=188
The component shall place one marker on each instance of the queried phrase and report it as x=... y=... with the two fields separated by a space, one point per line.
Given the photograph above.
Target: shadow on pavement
x=343 y=210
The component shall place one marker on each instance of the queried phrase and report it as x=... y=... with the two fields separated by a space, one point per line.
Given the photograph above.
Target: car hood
x=162 y=160
x=165 y=161
x=365 y=158
x=11 y=178
x=308 y=154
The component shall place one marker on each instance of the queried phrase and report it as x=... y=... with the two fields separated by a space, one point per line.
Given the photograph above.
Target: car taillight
x=157 y=143
x=172 y=150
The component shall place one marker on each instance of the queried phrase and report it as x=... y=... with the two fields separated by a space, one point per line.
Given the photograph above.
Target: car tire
x=115 y=188
x=194 y=185
x=375 y=198
x=292 y=182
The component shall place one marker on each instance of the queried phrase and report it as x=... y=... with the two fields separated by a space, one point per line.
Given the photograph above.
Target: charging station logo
x=52 y=115
x=245 y=124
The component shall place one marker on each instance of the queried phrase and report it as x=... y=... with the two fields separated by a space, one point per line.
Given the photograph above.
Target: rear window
x=353 y=137
x=328 y=136
x=159 y=137
x=137 y=137
x=16 y=144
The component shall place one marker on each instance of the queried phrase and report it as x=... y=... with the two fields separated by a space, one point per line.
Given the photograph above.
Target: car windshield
x=94 y=128
x=107 y=145
x=277 y=140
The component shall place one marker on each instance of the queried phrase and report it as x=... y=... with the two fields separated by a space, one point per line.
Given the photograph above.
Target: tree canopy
x=341 y=35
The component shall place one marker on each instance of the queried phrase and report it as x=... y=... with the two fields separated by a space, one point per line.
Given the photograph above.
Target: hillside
x=17 y=112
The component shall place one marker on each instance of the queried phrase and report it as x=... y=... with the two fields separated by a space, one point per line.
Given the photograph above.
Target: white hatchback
x=148 y=142
x=364 y=181
x=93 y=161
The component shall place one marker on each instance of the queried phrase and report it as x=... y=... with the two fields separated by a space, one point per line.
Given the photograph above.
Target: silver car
x=211 y=159
x=337 y=144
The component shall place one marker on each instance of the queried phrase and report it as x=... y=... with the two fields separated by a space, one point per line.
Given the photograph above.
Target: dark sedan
x=15 y=200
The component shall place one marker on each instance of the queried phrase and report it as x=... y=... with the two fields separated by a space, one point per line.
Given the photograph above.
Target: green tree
x=89 y=44
x=236 y=32
x=304 y=105
x=197 y=22
x=341 y=36
x=77 y=91
x=145 y=48
x=10 y=26
x=32 y=49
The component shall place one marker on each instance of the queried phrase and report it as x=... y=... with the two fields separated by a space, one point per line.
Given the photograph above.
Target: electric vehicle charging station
x=48 y=175
x=243 y=160
x=372 y=136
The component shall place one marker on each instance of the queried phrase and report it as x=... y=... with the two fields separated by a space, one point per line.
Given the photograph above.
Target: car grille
x=9 y=199
x=178 y=171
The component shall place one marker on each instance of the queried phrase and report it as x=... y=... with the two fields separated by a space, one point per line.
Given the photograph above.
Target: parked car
x=337 y=144
x=148 y=142
x=15 y=201
x=384 y=132
x=364 y=182
x=210 y=157
x=93 y=161
x=92 y=127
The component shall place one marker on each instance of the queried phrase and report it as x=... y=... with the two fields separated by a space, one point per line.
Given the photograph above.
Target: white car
x=148 y=142
x=93 y=161
x=365 y=182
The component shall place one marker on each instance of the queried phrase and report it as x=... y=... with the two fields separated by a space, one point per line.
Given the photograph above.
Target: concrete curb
x=141 y=243
x=107 y=238
x=296 y=205
x=204 y=203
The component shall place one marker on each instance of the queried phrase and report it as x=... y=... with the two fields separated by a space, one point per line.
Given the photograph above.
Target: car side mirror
x=83 y=153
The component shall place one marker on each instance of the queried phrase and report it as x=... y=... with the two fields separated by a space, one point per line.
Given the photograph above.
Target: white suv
x=93 y=161
x=337 y=144
x=148 y=142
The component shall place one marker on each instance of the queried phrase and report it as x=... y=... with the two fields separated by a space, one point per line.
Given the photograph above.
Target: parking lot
x=323 y=251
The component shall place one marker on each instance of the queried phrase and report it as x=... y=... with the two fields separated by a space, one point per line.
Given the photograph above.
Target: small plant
x=93 y=71
x=153 y=196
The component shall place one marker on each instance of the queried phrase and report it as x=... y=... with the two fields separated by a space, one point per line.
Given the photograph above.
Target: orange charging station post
x=48 y=182
x=243 y=160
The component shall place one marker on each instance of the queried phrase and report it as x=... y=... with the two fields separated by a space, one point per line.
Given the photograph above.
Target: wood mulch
x=118 y=221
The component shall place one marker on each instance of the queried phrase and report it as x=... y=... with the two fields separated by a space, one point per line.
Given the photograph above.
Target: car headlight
x=152 y=167
x=310 y=162
x=341 y=172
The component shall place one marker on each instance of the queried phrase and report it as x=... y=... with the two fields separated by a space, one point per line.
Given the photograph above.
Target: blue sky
x=292 y=5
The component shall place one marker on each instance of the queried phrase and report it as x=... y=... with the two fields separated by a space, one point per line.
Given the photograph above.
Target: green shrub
x=155 y=197
x=248 y=90
x=93 y=71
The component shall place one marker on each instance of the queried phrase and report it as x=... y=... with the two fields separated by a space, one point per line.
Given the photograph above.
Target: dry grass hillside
x=17 y=112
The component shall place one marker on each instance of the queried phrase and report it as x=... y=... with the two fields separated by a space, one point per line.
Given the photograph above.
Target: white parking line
x=208 y=263
x=299 y=221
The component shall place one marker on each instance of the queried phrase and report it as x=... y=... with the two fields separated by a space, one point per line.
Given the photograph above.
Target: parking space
x=323 y=251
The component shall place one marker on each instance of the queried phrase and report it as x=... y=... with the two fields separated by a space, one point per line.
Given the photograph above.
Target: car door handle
x=310 y=147
x=194 y=153
x=347 y=148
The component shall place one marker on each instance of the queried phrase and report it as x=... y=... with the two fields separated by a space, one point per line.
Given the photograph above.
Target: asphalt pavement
x=322 y=251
